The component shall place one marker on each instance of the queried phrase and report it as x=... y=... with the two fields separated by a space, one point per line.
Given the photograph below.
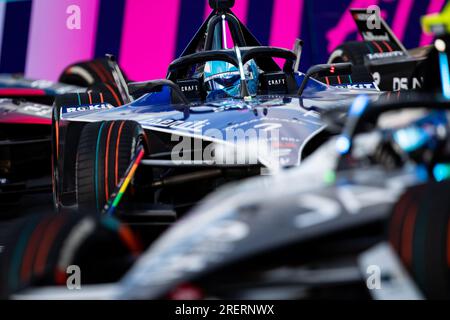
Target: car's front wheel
x=104 y=153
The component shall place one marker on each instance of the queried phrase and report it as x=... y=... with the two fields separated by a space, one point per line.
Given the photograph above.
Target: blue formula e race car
x=220 y=115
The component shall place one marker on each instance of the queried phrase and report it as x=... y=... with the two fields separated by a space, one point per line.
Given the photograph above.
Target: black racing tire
x=109 y=91
x=104 y=153
x=87 y=73
x=419 y=232
x=39 y=249
x=355 y=51
x=64 y=176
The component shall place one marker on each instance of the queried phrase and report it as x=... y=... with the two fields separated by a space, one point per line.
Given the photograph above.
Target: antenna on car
x=224 y=32
x=204 y=37
x=244 y=87
x=221 y=15
x=221 y=5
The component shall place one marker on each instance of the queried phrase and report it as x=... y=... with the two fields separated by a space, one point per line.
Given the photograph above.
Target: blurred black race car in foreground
x=392 y=66
x=372 y=222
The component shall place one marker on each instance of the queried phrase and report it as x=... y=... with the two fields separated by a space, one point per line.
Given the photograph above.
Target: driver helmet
x=222 y=79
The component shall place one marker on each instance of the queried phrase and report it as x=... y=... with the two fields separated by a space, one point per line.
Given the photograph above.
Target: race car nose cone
x=221 y=4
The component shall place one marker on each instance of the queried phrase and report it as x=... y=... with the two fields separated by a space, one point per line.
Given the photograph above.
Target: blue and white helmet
x=222 y=79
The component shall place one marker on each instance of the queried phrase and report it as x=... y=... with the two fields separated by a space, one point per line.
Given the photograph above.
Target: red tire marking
x=408 y=235
x=46 y=244
x=106 y=73
x=30 y=251
x=57 y=139
x=380 y=49
x=60 y=277
x=328 y=81
x=397 y=220
x=100 y=74
x=101 y=97
x=339 y=79
x=114 y=94
x=387 y=46
x=54 y=187
x=90 y=97
x=117 y=153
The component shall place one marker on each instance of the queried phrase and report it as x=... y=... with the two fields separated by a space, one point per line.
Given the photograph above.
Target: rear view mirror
x=325 y=70
x=141 y=88
x=298 y=48
x=328 y=70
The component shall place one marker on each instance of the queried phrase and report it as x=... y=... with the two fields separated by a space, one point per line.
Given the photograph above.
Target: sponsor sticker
x=189 y=88
x=87 y=107
x=378 y=55
x=359 y=86
x=194 y=126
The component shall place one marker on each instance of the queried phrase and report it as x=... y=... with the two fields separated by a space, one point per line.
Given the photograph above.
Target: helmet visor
x=222 y=81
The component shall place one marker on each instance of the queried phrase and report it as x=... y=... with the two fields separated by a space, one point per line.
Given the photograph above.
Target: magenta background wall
x=52 y=46
x=147 y=35
x=157 y=19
